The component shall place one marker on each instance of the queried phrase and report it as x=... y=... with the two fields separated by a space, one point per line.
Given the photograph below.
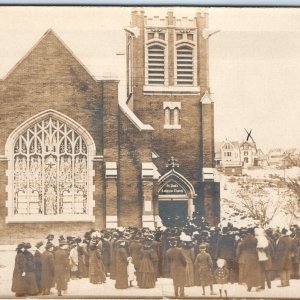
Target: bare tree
x=257 y=203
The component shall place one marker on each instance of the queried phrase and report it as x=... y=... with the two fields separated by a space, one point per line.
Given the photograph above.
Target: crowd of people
x=193 y=255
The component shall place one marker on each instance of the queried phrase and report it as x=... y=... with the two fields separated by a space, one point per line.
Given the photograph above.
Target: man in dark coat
x=47 y=278
x=282 y=259
x=32 y=289
x=177 y=264
x=121 y=266
x=106 y=253
x=226 y=249
x=38 y=264
x=61 y=266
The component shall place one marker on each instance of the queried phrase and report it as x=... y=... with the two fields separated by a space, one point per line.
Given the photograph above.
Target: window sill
x=172 y=126
x=48 y=219
x=158 y=89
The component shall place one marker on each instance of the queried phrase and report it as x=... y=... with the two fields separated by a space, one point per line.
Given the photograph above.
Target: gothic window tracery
x=50 y=170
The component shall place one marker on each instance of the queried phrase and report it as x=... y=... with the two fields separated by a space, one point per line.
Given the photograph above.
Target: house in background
x=248 y=154
x=276 y=157
x=231 y=157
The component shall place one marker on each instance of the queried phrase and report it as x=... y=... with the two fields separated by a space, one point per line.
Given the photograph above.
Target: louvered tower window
x=184 y=60
x=156 y=64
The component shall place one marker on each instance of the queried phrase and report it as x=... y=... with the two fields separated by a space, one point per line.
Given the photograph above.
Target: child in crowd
x=221 y=276
x=205 y=269
x=131 y=271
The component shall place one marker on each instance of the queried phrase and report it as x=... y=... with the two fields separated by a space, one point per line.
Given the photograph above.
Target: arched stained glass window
x=50 y=170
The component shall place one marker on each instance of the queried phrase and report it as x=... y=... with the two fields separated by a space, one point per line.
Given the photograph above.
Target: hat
x=39 y=244
x=202 y=247
x=63 y=243
x=50 y=237
x=78 y=240
x=27 y=245
x=20 y=246
x=284 y=231
x=61 y=238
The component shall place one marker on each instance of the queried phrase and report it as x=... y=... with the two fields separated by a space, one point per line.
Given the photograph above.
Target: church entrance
x=173 y=212
x=175 y=198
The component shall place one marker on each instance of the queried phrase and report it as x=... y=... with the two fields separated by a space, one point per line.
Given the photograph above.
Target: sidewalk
x=164 y=289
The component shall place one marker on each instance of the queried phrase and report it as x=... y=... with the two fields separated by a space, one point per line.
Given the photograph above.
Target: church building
x=74 y=157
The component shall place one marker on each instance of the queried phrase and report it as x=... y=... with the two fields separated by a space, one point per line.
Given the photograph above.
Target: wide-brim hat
x=50 y=237
x=63 y=243
x=20 y=246
x=27 y=246
x=39 y=244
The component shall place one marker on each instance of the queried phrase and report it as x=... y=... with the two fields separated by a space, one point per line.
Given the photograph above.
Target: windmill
x=249 y=136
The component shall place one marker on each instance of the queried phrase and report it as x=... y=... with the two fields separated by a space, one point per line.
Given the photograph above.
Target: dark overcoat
x=38 y=268
x=121 y=268
x=47 y=278
x=147 y=272
x=32 y=288
x=204 y=265
x=135 y=248
x=62 y=270
x=18 y=281
x=226 y=247
x=177 y=264
x=96 y=266
x=252 y=271
x=282 y=257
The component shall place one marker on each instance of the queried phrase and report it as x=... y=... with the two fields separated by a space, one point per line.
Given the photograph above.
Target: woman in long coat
x=189 y=256
x=121 y=266
x=47 y=278
x=32 y=289
x=96 y=266
x=252 y=270
x=18 y=282
x=147 y=272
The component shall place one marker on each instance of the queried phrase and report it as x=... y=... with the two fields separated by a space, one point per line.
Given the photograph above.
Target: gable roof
x=48 y=35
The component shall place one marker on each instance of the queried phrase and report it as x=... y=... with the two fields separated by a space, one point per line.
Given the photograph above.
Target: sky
x=254 y=60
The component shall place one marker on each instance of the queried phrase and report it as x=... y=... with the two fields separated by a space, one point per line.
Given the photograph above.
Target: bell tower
x=168 y=88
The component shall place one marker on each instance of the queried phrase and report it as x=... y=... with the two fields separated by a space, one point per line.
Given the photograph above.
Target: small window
x=179 y=36
x=161 y=36
x=150 y=36
x=190 y=37
x=172 y=115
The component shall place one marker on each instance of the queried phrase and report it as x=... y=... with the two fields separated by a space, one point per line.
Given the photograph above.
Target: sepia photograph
x=149 y=152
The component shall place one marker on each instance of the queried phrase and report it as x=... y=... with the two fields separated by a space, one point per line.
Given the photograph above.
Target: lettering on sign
x=172 y=188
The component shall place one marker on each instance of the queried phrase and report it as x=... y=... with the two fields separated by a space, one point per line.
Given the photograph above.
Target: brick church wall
x=51 y=78
x=135 y=148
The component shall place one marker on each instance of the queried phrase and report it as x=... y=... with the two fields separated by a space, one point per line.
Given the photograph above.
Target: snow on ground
x=230 y=185
x=163 y=289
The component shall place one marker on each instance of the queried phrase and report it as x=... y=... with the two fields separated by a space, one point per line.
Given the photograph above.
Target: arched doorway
x=175 y=199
